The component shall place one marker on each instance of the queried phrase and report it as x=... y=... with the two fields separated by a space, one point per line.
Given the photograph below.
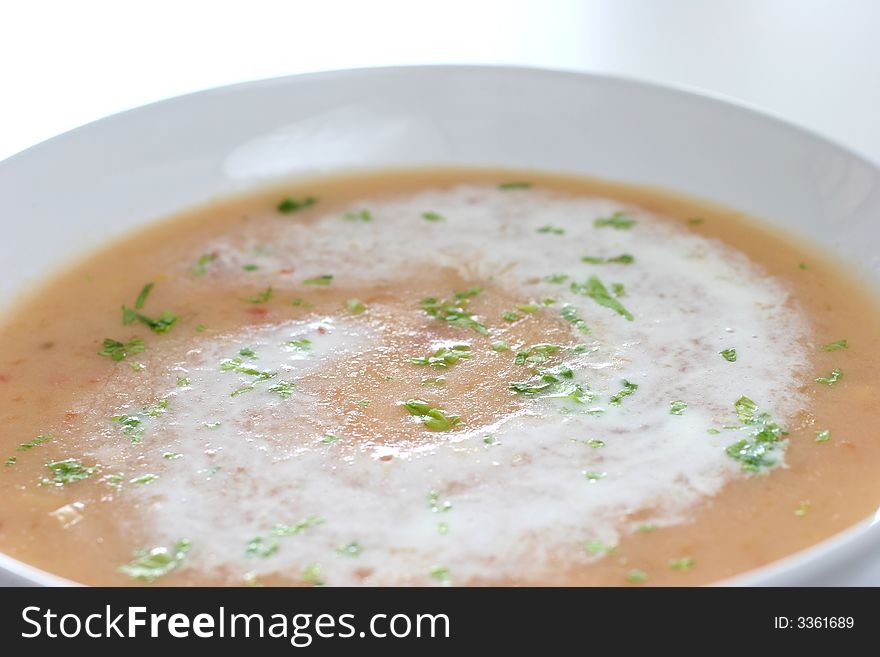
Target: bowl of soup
x=439 y=326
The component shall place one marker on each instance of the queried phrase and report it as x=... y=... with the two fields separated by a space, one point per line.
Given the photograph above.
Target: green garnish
x=556 y=278
x=144 y=479
x=157 y=562
x=363 y=215
x=628 y=389
x=433 y=216
x=823 y=436
x=434 y=419
x=682 y=563
x=515 y=185
x=261 y=547
x=696 y=221
x=618 y=289
x=250 y=267
x=329 y=439
x=441 y=574
x=323 y=279
x=595 y=443
x=283 y=389
x=594 y=289
x=260 y=297
x=36 y=442
x=834 y=377
x=729 y=355
x=677 y=407
x=802 y=265
x=537 y=353
x=352 y=549
x=528 y=308
x=594 y=476
x=491 y=441
x=133 y=426
x=455 y=312
x=570 y=314
x=509 y=316
x=623 y=259
x=835 y=346
x=142 y=297
x=161 y=324
x=442 y=528
x=290 y=204
x=552 y=230
x=758 y=450
x=618 y=221
x=597 y=547
x=436 y=505
x=67 y=471
x=182 y=382
x=355 y=306
x=10 y=461
x=444 y=356
x=500 y=345
x=802 y=509
x=300 y=345
x=202 y=263
x=247 y=352
x=200 y=328
x=312 y=575
x=647 y=527
x=212 y=425
x=636 y=576
x=171 y=456
x=298 y=528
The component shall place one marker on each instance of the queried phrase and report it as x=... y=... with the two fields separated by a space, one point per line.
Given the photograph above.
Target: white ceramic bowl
x=71 y=193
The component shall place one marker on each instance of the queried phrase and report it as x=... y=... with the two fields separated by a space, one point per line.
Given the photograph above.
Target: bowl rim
x=824 y=556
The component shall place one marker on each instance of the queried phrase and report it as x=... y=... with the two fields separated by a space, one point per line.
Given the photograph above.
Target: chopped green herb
x=363 y=216
x=636 y=576
x=434 y=419
x=212 y=425
x=312 y=575
x=803 y=265
x=118 y=351
x=290 y=204
x=647 y=527
x=159 y=561
x=729 y=355
x=677 y=407
x=823 y=436
x=300 y=302
x=132 y=425
x=455 y=313
x=247 y=352
x=537 y=353
x=835 y=346
x=595 y=443
x=834 y=377
x=182 y=382
x=597 y=547
x=200 y=328
x=444 y=356
x=283 y=389
x=261 y=547
x=528 y=308
x=323 y=279
x=171 y=456
x=298 y=528
x=491 y=441
x=509 y=316
x=713 y=432
x=10 y=461
x=623 y=259
x=36 y=442
x=300 y=345
x=67 y=471
x=594 y=289
x=202 y=263
x=161 y=324
x=137 y=367
x=682 y=563
x=142 y=297
x=570 y=314
x=515 y=185
x=355 y=306
x=442 y=528
x=433 y=381
x=552 y=230
x=556 y=278
x=144 y=479
x=802 y=509
x=593 y=476
x=500 y=345
x=436 y=505
x=329 y=439
x=441 y=574
x=696 y=221
x=618 y=221
x=618 y=289
x=433 y=216
x=758 y=450
x=628 y=389
x=260 y=297
x=352 y=549
x=250 y=267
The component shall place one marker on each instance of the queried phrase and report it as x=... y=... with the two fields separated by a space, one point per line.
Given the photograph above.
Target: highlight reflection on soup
x=438 y=377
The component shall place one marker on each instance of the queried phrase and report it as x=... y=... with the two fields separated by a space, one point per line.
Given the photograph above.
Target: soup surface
x=438 y=377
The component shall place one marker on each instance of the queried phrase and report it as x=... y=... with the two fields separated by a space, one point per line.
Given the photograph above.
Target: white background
x=62 y=64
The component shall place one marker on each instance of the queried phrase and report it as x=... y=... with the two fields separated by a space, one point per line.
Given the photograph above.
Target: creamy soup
x=438 y=377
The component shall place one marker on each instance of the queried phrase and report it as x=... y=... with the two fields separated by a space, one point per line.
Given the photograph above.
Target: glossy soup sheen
x=325 y=445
